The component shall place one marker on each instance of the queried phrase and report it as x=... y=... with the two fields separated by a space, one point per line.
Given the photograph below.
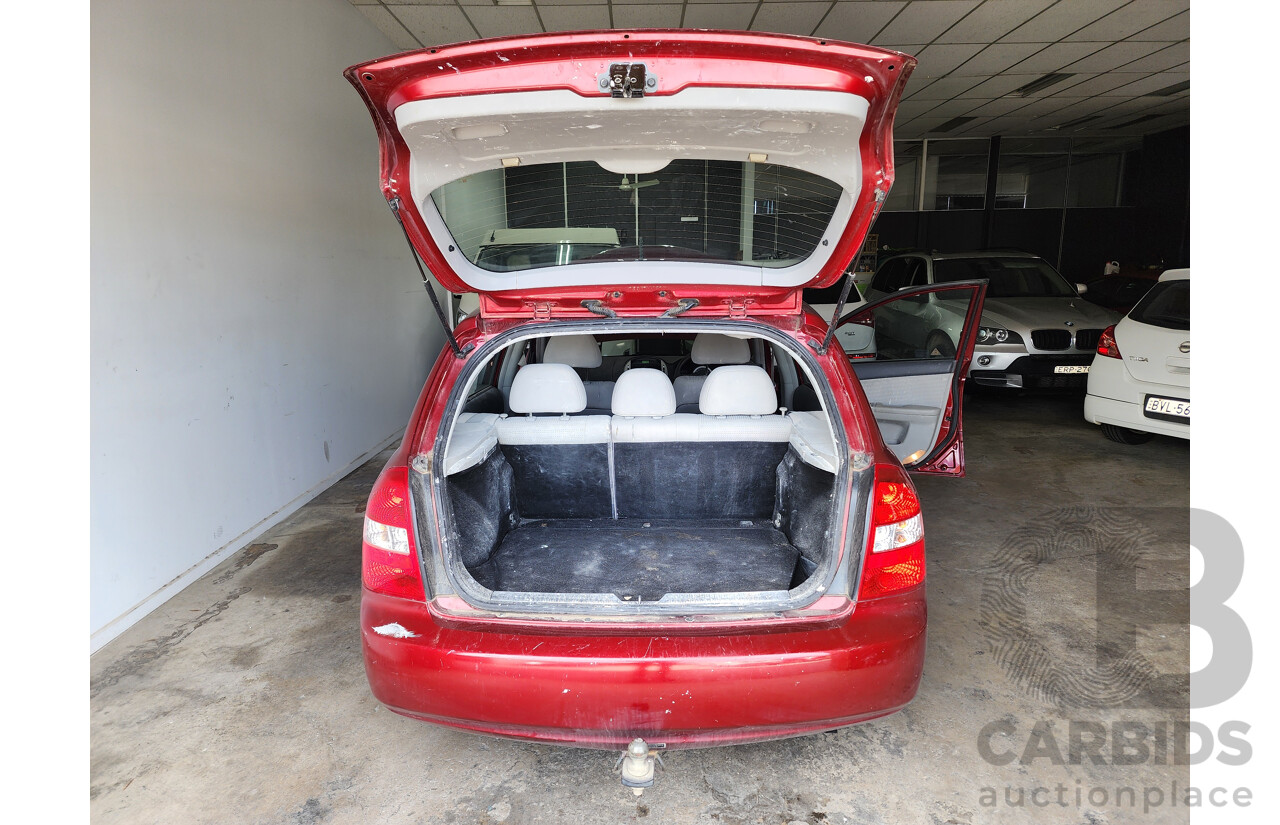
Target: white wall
x=257 y=325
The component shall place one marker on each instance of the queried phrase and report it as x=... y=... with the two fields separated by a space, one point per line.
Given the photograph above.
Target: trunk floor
x=640 y=559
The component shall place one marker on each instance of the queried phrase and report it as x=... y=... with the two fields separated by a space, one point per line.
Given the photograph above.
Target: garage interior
x=256 y=314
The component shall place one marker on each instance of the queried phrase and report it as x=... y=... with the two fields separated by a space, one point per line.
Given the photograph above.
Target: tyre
x=1124 y=435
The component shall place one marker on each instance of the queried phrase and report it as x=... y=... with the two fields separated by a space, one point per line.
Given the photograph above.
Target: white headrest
x=713 y=348
x=643 y=392
x=740 y=390
x=574 y=350
x=547 y=388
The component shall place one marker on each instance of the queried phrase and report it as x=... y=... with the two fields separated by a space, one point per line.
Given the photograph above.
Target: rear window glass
x=1009 y=277
x=561 y=214
x=1167 y=305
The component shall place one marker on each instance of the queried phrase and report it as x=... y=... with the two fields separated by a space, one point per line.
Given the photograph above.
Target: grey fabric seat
x=670 y=465
x=712 y=350
x=582 y=352
x=560 y=462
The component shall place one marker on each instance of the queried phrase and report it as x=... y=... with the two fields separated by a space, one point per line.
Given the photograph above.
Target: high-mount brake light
x=895 y=560
x=389 y=564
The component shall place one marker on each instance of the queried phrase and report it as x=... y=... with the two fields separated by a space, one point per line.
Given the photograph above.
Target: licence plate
x=1175 y=409
x=1071 y=368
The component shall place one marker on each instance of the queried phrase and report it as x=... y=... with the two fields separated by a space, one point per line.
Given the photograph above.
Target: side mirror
x=1081 y=289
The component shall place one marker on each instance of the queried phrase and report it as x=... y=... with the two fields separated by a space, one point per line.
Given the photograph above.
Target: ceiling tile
x=943 y=89
x=1060 y=20
x=1151 y=83
x=1001 y=106
x=939 y=60
x=569 y=18
x=1177 y=27
x=993 y=19
x=995 y=58
x=1129 y=19
x=545 y=3
x=1047 y=105
x=789 y=18
x=1113 y=57
x=923 y=20
x=647 y=17
x=954 y=108
x=1054 y=57
x=909 y=109
x=1170 y=56
x=718 y=15
x=425 y=3
x=498 y=21
x=641 y=3
x=1084 y=85
x=390 y=26
x=858 y=22
x=434 y=25
x=998 y=86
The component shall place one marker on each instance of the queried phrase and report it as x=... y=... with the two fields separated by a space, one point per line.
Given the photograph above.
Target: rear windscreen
x=1167 y=305
x=1009 y=277
x=560 y=214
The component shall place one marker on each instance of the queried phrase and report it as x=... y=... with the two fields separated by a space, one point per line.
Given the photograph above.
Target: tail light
x=390 y=565
x=1107 y=343
x=895 y=558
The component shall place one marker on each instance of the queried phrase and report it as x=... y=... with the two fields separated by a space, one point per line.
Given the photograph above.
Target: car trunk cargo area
x=641 y=521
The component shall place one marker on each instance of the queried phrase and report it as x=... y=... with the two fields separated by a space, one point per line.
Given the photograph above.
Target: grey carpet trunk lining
x=641 y=560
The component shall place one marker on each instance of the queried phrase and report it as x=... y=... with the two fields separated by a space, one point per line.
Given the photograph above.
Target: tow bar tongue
x=637 y=765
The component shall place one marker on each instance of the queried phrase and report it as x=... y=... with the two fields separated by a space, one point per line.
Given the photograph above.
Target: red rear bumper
x=605 y=690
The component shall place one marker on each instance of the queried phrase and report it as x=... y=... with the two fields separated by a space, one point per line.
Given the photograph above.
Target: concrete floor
x=243 y=699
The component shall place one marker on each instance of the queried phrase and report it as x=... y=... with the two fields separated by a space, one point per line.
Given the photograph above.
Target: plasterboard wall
x=257 y=325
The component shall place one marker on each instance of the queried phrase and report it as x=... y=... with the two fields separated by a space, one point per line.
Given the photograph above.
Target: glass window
x=905 y=193
x=1009 y=277
x=955 y=174
x=558 y=214
x=1032 y=173
x=1101 y=171
x=1167 y=305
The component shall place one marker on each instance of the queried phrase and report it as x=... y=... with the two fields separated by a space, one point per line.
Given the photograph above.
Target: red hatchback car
x=645 y=493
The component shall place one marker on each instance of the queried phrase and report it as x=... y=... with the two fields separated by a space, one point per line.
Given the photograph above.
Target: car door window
x=910 y=364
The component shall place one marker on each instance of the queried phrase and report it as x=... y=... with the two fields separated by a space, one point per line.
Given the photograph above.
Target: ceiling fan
x=627 y=185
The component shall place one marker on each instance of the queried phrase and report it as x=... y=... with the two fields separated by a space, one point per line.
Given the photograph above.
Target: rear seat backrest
x=681 y=465
x=738 y=404
x=582 y=352
x=710 y=349
x=561 y=463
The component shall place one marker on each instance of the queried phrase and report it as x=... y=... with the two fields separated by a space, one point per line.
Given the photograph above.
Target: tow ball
x=637 y=765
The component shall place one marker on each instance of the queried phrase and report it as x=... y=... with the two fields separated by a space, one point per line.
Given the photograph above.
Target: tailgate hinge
x=541 y=309
x=738 y=307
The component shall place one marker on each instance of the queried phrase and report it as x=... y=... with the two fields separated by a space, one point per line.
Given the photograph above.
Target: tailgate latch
x=627 y=80
x=738 y=307
x=541 y=309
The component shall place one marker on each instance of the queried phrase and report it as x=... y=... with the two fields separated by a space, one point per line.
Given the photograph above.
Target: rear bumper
x=1116 y=397
x=604 y=690
x=1099 y=410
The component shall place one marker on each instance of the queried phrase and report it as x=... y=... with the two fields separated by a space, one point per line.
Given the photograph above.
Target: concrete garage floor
x=243 y=699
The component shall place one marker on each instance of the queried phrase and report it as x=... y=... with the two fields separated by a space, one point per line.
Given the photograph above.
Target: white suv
x=1037 y=332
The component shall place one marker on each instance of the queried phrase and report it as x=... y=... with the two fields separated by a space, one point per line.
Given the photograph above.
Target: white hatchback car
x=1140 y=380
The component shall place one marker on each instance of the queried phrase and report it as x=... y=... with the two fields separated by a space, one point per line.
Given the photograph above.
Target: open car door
x=911 y=351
